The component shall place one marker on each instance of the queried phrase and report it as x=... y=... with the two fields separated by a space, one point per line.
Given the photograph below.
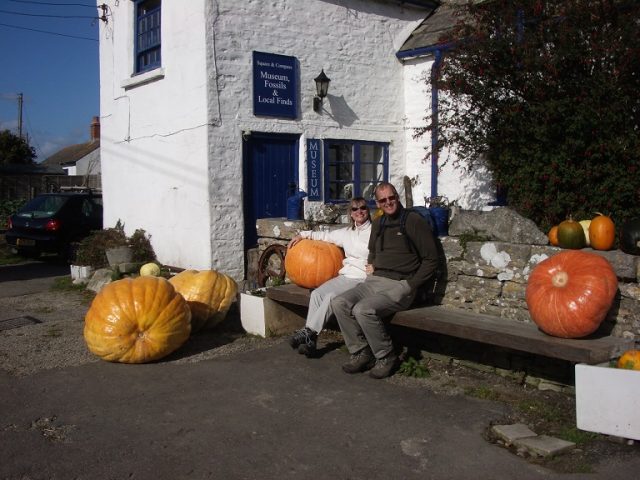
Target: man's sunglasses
x=390 y=198
x=362 y=207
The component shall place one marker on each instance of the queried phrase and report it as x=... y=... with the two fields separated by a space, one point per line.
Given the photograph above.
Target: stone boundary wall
x=490 y=277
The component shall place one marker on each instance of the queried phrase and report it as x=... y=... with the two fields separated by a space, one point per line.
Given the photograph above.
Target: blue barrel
x=440 y=217
x=294 y=206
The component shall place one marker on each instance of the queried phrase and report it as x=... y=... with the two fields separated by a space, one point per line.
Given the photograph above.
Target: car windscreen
x=44 y=206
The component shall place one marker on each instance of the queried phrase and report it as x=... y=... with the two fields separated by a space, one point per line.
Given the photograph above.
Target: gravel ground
x=58 y=342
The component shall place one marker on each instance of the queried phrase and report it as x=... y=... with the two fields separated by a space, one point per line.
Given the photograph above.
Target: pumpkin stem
x=560 y=279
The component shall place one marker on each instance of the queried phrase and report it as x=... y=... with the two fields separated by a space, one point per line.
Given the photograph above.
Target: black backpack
x=422 y=211
x=432 y=291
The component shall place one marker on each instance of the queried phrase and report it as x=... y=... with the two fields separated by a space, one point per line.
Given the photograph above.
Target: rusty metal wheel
x=271 y=264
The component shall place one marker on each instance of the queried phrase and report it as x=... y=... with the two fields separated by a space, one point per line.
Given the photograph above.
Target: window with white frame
x=354 y=168
x=147 y=35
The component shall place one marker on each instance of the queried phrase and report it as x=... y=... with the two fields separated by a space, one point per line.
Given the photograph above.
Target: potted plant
x=104 y=248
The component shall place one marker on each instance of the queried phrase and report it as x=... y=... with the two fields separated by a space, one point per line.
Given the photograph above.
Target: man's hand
x=368 y=268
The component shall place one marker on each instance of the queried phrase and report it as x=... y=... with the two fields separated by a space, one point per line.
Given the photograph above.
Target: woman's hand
x=368 y=268
x=294 y=240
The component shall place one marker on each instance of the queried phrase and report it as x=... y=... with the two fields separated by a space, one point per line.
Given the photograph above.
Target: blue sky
x=58 y=75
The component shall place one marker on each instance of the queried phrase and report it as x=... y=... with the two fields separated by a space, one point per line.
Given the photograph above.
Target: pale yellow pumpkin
x=137 y=320
x=208 y=293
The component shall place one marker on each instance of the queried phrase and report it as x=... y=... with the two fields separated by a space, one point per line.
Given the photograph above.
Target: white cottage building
x=209 y=119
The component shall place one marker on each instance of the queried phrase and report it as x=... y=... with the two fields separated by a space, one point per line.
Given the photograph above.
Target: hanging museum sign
x=314 y=174
x=275 y=85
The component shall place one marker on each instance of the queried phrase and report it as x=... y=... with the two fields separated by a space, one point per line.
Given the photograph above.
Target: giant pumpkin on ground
x=310 y=263
x=208 y=293
x=137 y=320
x=569 y=294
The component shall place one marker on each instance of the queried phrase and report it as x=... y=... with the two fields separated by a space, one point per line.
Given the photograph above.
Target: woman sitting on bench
x=354 y=240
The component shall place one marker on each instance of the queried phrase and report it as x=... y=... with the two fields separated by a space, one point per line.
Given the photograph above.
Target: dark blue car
x=51 y=222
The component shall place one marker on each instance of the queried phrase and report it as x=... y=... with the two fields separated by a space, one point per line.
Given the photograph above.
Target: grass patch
x=7 y=257
x=547 y=411
x=65 y=284
x=482 y=392
x=577 y=436
x=414 y=368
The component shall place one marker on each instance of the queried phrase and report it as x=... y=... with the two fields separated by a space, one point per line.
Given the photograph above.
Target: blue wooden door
x=270 y=176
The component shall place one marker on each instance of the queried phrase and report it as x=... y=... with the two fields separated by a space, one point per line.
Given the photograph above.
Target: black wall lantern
x=322 y=87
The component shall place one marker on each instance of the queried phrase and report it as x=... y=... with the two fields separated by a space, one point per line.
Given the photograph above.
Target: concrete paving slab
x=511 y=433
x=545 y=445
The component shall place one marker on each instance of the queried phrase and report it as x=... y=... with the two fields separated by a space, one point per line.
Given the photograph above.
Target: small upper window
x=147 y=36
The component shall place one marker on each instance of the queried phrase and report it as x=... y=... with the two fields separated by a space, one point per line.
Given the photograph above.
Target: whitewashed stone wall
x=172 y=148
x=154 y=130
x=472 y=190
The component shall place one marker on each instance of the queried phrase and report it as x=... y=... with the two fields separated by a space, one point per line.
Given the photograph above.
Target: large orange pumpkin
x=602 y=233
x=137 y=320
x=310 y=263
x=208 y=293
x=630 y=360
x=569 y=294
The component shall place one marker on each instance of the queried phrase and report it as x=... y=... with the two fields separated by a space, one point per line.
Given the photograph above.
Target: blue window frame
x=353 y=168
x=147 y=35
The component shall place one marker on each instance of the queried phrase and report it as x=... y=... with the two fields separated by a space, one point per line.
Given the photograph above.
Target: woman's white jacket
x=354 y=242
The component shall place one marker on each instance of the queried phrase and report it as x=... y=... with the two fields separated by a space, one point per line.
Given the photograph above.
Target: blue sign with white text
x=314 y=167
x=275 y=88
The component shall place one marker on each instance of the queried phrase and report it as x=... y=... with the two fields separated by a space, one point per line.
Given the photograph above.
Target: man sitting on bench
x=402 y=257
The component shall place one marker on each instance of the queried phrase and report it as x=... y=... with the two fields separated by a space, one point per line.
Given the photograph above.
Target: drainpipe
x=434 y=114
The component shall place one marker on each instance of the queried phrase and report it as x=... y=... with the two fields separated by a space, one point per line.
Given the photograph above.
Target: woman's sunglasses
x=355 y=209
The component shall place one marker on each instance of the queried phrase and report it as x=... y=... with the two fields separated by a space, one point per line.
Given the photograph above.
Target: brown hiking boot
x=385 y=367
x=360 y=361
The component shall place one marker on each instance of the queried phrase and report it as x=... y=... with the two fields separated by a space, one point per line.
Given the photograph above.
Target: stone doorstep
x=522 y=437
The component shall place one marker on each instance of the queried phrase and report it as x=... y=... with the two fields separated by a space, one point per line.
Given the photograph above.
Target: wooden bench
x=525 y=337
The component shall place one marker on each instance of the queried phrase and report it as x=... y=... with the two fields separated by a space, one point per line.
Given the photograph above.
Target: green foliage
x=140 y=243
x=414 y=368
x=483 y=392
x=545 y=94
x=15 y=150
x=8 y=208
x=92 y=249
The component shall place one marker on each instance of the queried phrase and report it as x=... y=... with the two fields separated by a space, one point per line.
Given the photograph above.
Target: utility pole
x=20 y=99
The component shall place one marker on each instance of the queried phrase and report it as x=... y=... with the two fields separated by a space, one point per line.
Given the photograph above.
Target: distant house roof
x=32 y=169
x=71 y=154
x=428 y=34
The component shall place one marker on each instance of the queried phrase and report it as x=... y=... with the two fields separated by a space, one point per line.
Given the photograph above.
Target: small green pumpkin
x=571 y=235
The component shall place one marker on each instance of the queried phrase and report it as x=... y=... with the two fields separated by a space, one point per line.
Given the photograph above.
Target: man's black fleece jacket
x=392 y=256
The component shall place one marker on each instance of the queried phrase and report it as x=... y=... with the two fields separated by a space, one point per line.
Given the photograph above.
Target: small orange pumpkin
x=569 y=294
x=310 y=263
x=553 y=236
x=208 y=293
x=137 y=320
x=602 y=233
x=630 y=360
